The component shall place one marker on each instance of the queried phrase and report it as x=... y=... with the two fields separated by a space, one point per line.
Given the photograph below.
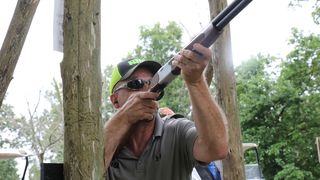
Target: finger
x=188 y=55
x=148 y=95
x=148 y=116
x=206 y=52
x=149 y=104
x=192 y=58
x=143 y=112
x=139 y=112
x=180 y=61
x=144 y=99
x=189 y=65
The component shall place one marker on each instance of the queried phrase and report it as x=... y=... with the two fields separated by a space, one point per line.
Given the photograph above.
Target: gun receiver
x=168 y=72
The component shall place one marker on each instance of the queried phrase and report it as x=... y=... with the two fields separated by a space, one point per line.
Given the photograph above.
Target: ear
x=114 y=100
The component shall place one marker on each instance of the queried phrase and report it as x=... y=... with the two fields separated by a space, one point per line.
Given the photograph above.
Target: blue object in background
x=214 y=171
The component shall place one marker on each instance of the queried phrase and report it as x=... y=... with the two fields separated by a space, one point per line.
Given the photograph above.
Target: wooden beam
x=81 y=77
x=233 y=165
x=14 y=41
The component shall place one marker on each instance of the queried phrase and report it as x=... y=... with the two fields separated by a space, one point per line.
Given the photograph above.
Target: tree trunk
x=233 y=165
x=81 y=77
x=14 y=40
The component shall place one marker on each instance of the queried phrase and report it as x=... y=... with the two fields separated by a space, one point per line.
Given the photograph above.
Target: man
x=139 y=145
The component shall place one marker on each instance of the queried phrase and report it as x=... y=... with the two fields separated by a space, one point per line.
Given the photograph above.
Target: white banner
x=58 y=25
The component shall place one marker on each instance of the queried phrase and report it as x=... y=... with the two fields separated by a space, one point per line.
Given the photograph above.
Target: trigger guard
x=160 y=95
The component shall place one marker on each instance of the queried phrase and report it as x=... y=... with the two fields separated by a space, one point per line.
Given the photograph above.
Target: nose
x=146 y=85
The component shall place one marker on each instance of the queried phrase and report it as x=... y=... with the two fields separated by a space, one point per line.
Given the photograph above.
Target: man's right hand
x=139 y=106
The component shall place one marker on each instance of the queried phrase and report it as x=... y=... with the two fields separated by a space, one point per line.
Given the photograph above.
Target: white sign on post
x=58 y=25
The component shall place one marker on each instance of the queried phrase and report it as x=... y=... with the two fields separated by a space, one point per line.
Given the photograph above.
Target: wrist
x=199 y=82
x=121 y=119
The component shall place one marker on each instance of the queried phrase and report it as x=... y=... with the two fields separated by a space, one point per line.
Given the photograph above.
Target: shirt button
x=140 y=165
x=115 y=164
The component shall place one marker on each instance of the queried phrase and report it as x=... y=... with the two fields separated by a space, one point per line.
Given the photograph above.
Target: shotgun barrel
x=168 y=72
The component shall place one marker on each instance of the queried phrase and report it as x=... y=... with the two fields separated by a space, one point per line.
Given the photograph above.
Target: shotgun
x=168 y=72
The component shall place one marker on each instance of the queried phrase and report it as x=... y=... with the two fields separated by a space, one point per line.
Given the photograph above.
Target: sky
x=262 y=27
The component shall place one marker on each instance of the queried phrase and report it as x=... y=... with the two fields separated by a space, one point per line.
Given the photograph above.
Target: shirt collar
x=158 y=127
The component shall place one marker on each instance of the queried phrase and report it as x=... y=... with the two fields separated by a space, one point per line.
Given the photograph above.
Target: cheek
x=120 y=102
x=122 y=98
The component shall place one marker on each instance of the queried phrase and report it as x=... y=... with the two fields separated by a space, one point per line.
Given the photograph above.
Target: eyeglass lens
x=136 y=84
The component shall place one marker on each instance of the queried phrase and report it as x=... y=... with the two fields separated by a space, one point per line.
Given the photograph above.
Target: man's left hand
x=192 y=64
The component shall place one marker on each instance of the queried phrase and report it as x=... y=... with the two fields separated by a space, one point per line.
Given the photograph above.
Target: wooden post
x=233 y=165
x=14 y=41
x=81 y=77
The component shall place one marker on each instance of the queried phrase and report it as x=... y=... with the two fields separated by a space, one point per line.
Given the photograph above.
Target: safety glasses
x=135 y=84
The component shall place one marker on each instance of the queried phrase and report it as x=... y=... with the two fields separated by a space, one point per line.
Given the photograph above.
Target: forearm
x=115 y=130
x=210 y=121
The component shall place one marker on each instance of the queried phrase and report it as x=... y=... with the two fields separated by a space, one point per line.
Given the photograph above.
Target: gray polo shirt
x=168 y=155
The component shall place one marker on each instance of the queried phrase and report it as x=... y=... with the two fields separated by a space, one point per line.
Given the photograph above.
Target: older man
x=140 y=145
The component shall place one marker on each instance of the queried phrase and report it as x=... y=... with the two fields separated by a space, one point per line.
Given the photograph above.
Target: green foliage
x=8 y=169
x=280 y=111
x=316 y=14
x=157 y=43
x=6 y=117
x=42 y=132
x=34 y=172
x=52 y=132
x=290 y=171
x=316 y=11
x=107 y=108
